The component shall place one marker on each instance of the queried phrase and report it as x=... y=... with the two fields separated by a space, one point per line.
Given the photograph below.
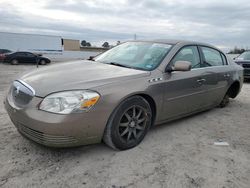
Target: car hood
x=241 y=61
x=77 y=75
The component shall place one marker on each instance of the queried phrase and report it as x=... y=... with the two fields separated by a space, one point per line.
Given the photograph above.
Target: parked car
x=25 y=57
x=3 y=53
x=244 y=61
x=121 y=93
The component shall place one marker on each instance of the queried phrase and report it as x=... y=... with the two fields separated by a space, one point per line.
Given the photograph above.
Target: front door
x=184 y=90
x=30 y=58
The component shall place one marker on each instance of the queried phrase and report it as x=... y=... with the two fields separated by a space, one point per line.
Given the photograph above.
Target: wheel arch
x=152 y=104
x=145 y=96
x=234 y=89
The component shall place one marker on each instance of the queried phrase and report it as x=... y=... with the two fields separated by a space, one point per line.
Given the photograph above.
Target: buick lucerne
x=118 y=95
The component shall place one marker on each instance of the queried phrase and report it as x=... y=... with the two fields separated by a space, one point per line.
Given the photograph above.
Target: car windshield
x=137 y=55
x=245 y=56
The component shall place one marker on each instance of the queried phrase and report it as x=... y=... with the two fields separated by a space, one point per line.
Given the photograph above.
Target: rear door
x=20 y=56
x=216 y=74
x=184 y=90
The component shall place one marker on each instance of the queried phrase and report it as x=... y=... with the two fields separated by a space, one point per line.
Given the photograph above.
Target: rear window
x=212 y=57
x=20 y=53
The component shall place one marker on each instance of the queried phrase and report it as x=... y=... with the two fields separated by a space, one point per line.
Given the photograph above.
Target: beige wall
x=71 y=45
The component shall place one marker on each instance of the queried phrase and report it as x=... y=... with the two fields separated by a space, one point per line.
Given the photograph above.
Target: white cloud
x=217 y=22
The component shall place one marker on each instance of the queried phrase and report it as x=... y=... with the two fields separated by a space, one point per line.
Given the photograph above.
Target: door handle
x=200 y=81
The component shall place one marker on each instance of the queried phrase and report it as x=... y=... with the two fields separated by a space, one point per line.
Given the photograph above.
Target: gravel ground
x=178 y=154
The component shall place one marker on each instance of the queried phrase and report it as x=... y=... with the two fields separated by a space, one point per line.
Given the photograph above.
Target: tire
x=225 y=101
x=128 y=124
x=14 y=62
x=42 y=62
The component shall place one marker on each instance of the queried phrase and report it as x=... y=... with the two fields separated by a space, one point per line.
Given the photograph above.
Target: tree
x=83 y=43
x=105 y=45
x=237 y=50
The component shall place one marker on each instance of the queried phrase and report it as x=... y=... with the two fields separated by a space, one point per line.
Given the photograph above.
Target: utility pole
x=135 y=36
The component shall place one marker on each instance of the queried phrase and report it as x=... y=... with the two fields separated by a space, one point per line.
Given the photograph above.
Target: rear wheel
x=43 y=62
x=129 y=124
x=14 y=62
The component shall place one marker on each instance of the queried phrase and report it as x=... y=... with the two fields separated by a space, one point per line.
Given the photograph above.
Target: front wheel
x=128 y=124
x=14 y=62
x=43 y=62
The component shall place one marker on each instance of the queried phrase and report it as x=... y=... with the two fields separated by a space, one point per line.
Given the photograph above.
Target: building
x=71 y=45
x=54 y=47
x=31 y=42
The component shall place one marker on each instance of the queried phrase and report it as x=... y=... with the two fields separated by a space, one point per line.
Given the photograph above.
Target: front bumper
x=56 y=130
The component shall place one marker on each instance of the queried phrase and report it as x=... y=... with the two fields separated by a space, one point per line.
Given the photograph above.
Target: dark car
x=3 y=53
x=25 y=57
x=244 y=61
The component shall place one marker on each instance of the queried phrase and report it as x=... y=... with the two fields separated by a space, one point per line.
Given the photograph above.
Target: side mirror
x=180 y=66
x=91 y=58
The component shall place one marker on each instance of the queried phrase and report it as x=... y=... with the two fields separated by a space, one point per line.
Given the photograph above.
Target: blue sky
x=222 y=23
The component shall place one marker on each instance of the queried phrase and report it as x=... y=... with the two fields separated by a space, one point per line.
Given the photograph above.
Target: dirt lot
x=177 y=154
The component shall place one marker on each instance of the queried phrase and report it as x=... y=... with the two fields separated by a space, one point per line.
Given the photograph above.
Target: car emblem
x=16 y=91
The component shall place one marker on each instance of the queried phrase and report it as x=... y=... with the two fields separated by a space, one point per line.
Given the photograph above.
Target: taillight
x=2 y=56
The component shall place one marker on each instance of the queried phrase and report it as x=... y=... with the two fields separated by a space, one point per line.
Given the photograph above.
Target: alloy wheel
x=133 y=123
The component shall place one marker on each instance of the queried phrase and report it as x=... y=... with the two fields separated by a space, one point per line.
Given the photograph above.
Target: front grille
x=246 y=71
x=46 y=139
x=21 y=93
x=246 y=65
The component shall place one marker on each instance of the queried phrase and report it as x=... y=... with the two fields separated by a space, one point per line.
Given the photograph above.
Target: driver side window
x=188 y=53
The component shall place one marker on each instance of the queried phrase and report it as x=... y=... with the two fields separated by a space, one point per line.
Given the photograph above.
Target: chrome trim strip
x=202 y=68
x=27 y=85
x=208 y=67
x=195 y=93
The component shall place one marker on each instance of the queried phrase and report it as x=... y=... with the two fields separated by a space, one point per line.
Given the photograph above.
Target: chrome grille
x=246 y=65
x=246 y=71
x=21 y=93
x=46 y=139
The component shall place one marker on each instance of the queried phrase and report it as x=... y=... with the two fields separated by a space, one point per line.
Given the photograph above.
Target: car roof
x=21 y=52
x=176 y=41
x=173 y=41
x=170 y=41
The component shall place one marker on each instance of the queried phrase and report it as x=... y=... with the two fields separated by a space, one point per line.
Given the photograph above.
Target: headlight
x=69 y=101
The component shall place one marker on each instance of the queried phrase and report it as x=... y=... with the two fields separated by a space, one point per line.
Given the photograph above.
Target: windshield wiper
x=120 y=65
